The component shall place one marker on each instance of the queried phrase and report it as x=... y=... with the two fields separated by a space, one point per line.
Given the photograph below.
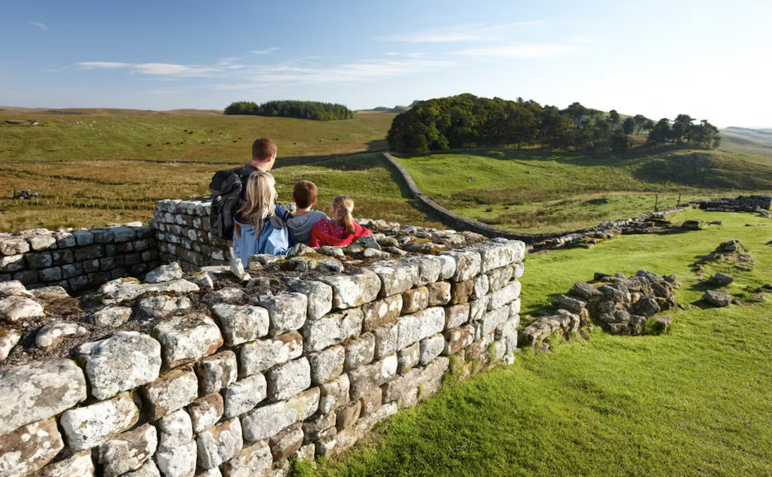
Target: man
x=263 y=157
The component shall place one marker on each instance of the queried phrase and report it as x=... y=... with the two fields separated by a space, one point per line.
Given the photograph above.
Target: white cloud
x=266 y=51
x=466 y=33
x=520 y=52
x=39 y=25
x=103 y=65
x=159 y=69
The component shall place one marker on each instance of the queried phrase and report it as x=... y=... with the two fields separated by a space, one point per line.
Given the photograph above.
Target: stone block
x=89 y=426
x=124 y=361
x=11 y=263
x=172 y=391
x=386 y=339
x=505 y=295
x=219 y=443
x=9 y=337
x=306 y=453
x=244 y=395
x=20 y=308
x=188 y=338
x=457 y=339
x=13 y=288
x=77 y=465
x=331 y=329
x=460 y=292
x=40 y=260
x=334 y=394
x=429 y=268
x=439 y=293
x=396 y=277
x=447 y=267
x=51 y=274
x=206 y=411
x=499 y=252
x=240 y=324
x=360 y=351
x=356 y=289
x=371 y=401
x=261 y=355
x=415 y=300
x=468 y=264
x=316 y=425
x=456 y=315
x=13 y=246
x=480 y=287
x=287 y=311
x=381 y=312
x=267 y=421
x=408 y=357
x=327 y=365
x=178 y=462
x=415 y=327
x=431 y=347
x=319 y=296
x=288 y=379
x=365 y=378
x=254 y=460
x=401 y=387
x=165 y=273
x=27 y=449
x=52 y=334
x=430 y=379
x=162 y=306
x=216 y=372
x=286 y=442
x=128 y=451
x=477 y=308
x=174 y=430
x=224 y=295
x=112 y=316
x=347 y=415
x=494 y=319
x=37 y=391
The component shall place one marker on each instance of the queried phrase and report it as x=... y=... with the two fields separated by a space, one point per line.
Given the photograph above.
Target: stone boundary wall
x=743 y=203
x=463 y=223
x=77 y=259
x=233 y=378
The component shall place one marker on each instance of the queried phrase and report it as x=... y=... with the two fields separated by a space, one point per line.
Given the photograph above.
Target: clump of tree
x=468 y=121
x=292 y=109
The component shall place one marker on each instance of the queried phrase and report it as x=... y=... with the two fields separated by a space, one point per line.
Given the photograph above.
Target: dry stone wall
x=77 y=259
x=230 y=372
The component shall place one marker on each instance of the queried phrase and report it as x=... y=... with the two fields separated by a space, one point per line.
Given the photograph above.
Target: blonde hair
x=340 y=212
x=261 y=196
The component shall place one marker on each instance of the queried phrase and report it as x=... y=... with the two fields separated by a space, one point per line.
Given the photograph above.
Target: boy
x=304 y=197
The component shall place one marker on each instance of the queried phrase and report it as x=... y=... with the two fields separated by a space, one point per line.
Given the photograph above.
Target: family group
x=245 y=201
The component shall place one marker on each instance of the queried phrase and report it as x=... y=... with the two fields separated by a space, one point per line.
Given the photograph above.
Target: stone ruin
x=621 y=305
x=220 y=371
x=743 y=203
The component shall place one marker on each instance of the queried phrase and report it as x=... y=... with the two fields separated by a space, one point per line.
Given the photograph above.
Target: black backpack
x=226 y=187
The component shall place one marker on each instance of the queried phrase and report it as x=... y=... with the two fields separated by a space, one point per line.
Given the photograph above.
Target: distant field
x=122 y=134
x=533 y=192
x=87 y=194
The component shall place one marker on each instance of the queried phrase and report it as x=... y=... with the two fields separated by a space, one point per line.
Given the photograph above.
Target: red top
x=327 y=232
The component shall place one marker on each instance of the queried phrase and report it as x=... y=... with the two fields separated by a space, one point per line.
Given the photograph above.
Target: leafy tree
x=613 y=117
x=640 y=122
x=682 y=128
x=660 y=133
x=628 y=125
x=292 y=109
x=620 y=142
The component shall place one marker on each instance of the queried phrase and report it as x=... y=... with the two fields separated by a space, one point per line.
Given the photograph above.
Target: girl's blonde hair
x=341 y=211
x=261 y=197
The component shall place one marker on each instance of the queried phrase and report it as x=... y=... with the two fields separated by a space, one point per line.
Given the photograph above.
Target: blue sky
x=706 y=58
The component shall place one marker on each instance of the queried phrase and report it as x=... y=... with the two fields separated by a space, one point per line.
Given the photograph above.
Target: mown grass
x=125 y=134
x=694 y=402
x=88 y=194
x=538 y=192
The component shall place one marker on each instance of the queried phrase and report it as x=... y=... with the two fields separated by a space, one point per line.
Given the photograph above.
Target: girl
x=340 y=229
x=258 y=229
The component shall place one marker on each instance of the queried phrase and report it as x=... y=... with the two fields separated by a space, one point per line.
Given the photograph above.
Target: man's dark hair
x=263 y=148
x=304 y=193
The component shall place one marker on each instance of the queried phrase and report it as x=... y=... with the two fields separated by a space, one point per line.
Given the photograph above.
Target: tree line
x=291 y=109
x=468 y=121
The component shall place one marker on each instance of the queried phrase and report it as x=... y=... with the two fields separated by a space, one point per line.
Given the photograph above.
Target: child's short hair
x=304 y=193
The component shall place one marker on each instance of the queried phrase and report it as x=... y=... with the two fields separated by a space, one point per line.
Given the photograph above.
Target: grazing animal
x=471 y=179
x=149 y=145
x=168 y=143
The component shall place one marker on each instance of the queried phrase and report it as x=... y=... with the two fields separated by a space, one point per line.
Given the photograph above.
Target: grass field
x=695 y=402
x=88 y=194
x=535 y=192
x=125 y=134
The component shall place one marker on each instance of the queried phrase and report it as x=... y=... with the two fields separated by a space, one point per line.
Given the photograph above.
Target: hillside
x=754 y=144
x=540 y=192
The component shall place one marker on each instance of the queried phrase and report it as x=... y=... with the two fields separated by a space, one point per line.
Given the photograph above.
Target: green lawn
x=535 y=192
x=693 y=402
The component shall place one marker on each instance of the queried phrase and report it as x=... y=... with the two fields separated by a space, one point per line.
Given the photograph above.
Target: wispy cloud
x=165 y=69
x=465 y=33
x=519 y=51
x=41 y=26
x=266 y=51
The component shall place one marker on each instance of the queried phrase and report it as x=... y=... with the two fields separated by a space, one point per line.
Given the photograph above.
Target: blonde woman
x=258 y=228
x=340 y=229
